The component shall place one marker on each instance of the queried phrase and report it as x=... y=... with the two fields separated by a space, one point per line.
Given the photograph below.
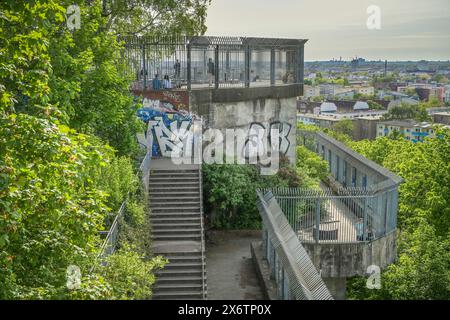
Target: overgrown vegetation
x=230 y=190
x=422 y=270
x=68 y=145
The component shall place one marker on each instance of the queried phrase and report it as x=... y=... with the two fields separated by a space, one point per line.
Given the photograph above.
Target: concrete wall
x=243 y=108
x=348 y=260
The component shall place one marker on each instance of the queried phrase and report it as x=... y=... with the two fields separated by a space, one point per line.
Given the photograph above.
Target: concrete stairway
x=176 y=206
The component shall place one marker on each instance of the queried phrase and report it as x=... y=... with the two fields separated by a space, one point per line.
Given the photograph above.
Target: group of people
x=166 y=82
x=157 y=84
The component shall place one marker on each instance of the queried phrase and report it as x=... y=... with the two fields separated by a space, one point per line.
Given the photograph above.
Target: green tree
x=161 y=17
x=64 y=101
x=408 y=111
x=422 y=270
x=345 y=126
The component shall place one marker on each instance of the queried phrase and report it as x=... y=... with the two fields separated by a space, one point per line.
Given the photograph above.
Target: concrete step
x=175 y=226
x=185 y=259
x=171 y=199
x=161 y=203
x=184 y=266
x=165 y=171
x=182 y=254
x=157 y=185
x=189 y=231
x=179 y=280
x=177 y=237
x=174 y=174
x=178 y=209
x=177 y=214
x=195 y=189
x=173 y=273
x=169 y=193
x=178 y=287
x=180 y=179
x=163 y=220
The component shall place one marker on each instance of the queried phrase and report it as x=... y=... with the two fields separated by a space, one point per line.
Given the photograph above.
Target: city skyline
x=410 y=30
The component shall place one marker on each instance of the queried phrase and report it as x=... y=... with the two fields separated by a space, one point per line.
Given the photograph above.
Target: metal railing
x=204 y=289
x=291 y=267
x=346 y=216
x=108 y=246
x=218 y=62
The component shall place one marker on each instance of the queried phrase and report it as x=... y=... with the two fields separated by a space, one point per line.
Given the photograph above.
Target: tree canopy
x=422 y=270
x=68 y=143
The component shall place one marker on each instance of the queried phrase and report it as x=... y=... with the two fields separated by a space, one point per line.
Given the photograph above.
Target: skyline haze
x=410 y=30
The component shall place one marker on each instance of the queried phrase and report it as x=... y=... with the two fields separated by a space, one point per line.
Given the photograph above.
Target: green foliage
x=423 y=218
x=130 y=275
x=230 y=192
x=374 y=105
x=117 y=180
x=312 y=166
x=230 y=195
x=166 y=17
x=345 y=126
x=59 y=186
x=408 y=111
x=50 y=208
x=421 y=272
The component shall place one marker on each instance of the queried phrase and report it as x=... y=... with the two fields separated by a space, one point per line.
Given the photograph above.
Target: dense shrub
x=230 y=192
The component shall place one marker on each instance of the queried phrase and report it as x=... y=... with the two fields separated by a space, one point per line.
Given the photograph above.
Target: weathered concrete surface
x=267 y=108
x=348 y=260
x=230 y=270
x=337 y=287
x=268 y=285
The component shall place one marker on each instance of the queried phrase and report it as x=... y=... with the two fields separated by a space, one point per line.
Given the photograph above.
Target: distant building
x=341 y=106
x=425 y=91
x=410 y=129
x=367 y=90
x=311 y=91
x=365 y=127
x=345 y=92
x=349 y=94
x=442 y=117
x=447 y=94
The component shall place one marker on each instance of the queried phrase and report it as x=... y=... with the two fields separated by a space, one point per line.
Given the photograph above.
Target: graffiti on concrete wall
x=283 y=128
x=166 y=130
x=165 y=100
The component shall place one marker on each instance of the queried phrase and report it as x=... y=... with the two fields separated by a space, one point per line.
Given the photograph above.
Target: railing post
x=188 y=66
x=272 y=67
x=144 y=67
x=317 y=235
x=365 y=235
x=247 y=66
x=216 y=67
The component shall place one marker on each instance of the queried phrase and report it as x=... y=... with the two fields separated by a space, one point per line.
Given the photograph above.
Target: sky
x=409 y=29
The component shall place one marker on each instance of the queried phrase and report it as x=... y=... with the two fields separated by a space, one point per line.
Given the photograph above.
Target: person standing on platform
x=211 y=68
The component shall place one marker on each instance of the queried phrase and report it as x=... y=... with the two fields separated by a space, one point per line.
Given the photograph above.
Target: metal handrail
x=304 y=278
x=202 y=227
x=115 y=225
